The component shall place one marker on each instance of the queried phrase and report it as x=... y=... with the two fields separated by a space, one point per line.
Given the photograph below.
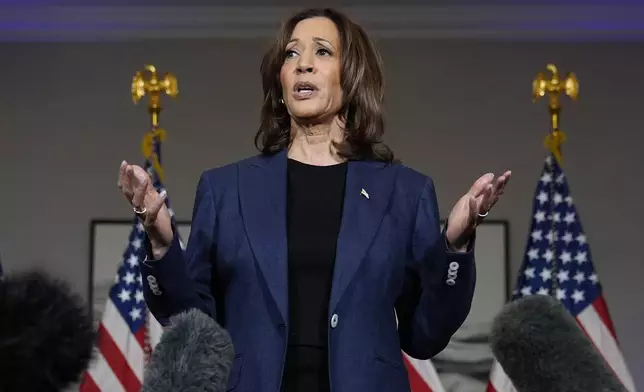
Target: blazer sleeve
x=439 y=284
x=181 y=280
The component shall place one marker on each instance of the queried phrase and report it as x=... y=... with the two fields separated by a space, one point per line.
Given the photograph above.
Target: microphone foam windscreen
x=541 y=348
x=46 y=334
x=194 y=354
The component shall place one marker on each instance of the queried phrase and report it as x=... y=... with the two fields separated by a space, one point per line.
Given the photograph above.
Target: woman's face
x=310 y=75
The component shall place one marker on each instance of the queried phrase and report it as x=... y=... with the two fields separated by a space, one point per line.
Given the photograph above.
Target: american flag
x=558 y=263
x=127 y=332
x=422 y=375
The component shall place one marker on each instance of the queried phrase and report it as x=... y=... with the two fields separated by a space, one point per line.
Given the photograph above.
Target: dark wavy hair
x=362 y=82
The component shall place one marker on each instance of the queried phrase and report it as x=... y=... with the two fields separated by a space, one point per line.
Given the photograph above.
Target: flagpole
x=153 y=87
x=554 y=87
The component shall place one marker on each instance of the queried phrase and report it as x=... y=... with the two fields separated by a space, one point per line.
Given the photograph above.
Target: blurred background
x=459 y=78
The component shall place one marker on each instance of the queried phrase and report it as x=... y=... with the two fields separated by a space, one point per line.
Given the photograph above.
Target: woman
x=311 y=253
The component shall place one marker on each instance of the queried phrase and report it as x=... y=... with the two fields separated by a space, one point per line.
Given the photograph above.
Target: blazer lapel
x=262 y=187
x=368 y=189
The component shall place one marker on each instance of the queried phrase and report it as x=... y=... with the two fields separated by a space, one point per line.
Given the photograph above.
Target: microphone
x=46 y=333
x=194 y=354
x=541 y=347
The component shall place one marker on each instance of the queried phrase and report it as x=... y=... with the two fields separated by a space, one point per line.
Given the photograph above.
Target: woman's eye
x=290 y=53
x=323 y=52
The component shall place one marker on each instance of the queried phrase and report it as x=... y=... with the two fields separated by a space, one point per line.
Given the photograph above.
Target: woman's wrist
x=458 y=248
x=158 y=251
x=156 y=248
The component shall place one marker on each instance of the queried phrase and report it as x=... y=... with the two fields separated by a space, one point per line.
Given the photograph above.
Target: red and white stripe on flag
x=422 y=375
x=120 y=356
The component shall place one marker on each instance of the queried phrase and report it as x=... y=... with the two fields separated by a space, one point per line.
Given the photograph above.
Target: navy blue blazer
x=392 y=266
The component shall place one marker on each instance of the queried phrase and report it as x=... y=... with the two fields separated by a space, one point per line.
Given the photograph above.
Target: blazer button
x=453 y=266
x=334 y=320
x=450 y=282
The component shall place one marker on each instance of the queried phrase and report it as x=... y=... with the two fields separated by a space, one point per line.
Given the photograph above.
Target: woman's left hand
x=472 y=207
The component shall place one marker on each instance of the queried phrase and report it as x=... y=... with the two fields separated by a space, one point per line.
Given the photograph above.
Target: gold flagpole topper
x=153 y=87
x=554 y=87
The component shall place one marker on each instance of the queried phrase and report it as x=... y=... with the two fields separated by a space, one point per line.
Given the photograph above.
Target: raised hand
x=470 y=209
x=148 y=204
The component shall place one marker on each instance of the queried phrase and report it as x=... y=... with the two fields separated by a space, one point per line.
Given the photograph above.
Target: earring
x=282 y=101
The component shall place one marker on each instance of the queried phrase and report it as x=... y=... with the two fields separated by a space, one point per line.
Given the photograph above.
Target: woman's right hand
x=137 y=187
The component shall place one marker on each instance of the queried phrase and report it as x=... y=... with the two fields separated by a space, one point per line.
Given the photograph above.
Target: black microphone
x=541 y=347
x=46 y=333
x=194 y=354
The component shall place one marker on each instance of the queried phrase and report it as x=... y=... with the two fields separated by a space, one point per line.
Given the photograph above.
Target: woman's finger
x=485 y=202
x=155 y=207
x=499 y=187
x=480 y=184
x=125 y=182
x=122 y=168
x=122 y=175
x=139 y=193
x=498 y=184
x=503 y=180
x=473 y=210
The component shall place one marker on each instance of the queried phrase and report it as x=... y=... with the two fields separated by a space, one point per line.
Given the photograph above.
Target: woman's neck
x=313 y=144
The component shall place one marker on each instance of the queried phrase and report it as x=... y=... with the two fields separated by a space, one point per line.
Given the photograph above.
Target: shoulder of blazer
x=411 y=179
x=228 y=172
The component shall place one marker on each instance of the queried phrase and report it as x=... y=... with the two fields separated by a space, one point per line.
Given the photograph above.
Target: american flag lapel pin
x=364 y=193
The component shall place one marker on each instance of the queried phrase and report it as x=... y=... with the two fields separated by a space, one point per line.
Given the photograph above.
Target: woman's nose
x=305 y=65
x=302 y=68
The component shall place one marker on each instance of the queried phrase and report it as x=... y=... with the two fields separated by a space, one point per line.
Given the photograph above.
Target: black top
x=315 y=197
